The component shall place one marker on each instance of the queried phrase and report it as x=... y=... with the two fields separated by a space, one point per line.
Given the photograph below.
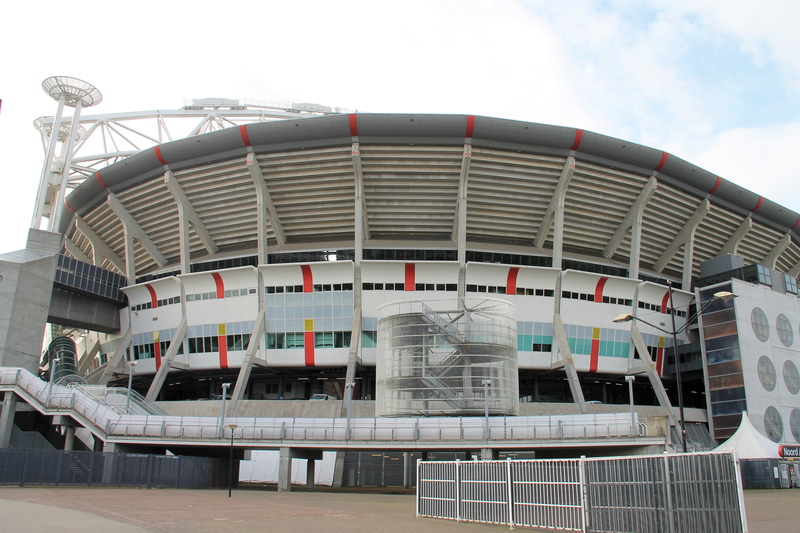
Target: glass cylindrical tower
x=441 y=358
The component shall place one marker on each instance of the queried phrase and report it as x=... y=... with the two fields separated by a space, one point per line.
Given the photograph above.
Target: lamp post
x=722 y=295
x=130 y=386
x=230 y=463
x=630 y=380
x=53 y=364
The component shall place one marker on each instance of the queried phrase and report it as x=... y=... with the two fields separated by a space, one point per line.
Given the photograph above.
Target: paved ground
x=68 y=510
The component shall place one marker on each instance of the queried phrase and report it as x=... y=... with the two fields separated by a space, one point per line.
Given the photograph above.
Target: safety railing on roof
x=103 y=419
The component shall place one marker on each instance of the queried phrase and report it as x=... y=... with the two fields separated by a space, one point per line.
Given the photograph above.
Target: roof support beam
x=560 y=336
x=99 y=247
x=649 y=368
x=76 y=252
x=732 y=246
x=459 y=233
x=266 y=210
x=133 y=231
x=361 y=219
x=772 y=258
x=116 y=362
x=250 y=358
x=632 y=220
x=555 y=214
x=188 y=215
x=167 y=361
x=685 y=237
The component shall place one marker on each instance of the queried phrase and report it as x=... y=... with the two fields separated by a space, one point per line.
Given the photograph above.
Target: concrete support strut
x=632 y=220
x=554 y=214
x=286 y=455
x=685 y=237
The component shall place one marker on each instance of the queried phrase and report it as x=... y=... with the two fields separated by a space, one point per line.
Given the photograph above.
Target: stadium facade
x=437 y=264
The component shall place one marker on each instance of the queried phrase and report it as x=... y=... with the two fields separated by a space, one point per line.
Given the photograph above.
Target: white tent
x=749 y=443
x=263 y=468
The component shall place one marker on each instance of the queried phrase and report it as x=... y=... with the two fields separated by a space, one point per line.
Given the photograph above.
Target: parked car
x=321 y=397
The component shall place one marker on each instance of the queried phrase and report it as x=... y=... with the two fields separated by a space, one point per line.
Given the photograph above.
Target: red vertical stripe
x=153 y=297
x=100 y=180
x=659 y=360
x=796 y=223
x=758 y=205
x=308 y=338
x=598 y=289
x=716 y=186
x=220 y=285
x=578 y=139
x=595 y=357
x=157 y=150
x=308 y=279
x=411 y=276
x=223 y=350
x=664 y=157
x=511 y=280
x=470 y=125
x=245 y=137
x=157 y=353
x=353 y=125
x=665 y=302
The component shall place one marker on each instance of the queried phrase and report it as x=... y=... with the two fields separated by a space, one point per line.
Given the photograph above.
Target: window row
x=229 y=293
x=296 y=340
x=657 y=309
x=450 y=287
x=234 y=343
x=521 y=291
x=590 y=298
x=159 y=303
x=326 y=287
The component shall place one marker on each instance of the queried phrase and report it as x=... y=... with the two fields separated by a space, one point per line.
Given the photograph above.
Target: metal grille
x=59 y=467
x=660 y=494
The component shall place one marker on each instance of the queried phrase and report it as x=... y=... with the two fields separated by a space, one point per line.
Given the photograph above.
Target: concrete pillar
x=487 y=454
x=310 y=472
x=7 y=418
x=285 y=470
x=69 y=443
x=408 y=464
x=338 y=469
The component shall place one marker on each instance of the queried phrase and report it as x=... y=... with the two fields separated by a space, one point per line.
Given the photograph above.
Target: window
x=791 y=377
x=766 y=373
x=785 y=333
x=760 y=323
x=773 y=424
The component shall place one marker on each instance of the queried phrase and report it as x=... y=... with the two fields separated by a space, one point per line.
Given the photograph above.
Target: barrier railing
x=107 y=420
x=685 y=493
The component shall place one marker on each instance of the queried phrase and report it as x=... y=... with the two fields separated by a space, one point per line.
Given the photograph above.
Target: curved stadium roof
x=411 y=166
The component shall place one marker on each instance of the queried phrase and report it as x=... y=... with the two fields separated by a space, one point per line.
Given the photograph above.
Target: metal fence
x=691 y=493
x=59 y=467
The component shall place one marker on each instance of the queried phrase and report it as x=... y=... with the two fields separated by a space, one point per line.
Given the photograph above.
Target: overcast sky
x=714 y=82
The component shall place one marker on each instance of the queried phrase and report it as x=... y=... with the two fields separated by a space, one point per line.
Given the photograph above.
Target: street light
x=53 y=364
x=130 y=386
x=230 y=463
x=722 y=295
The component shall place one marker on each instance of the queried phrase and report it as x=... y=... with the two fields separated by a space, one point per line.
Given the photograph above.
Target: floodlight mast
x=77 y=94
x=722 y=295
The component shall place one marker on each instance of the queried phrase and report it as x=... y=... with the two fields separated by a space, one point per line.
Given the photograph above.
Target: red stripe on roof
x=354 y=125
x=411 y=277
x=511 y=280
x=68 y=207
x=100 y=180
x=578 y=139
x=664 y=157
x=220 y=285
x=308 y=278
x=716 y=186
x=243 y=133
x=758 y=205
x=157 y=150
x=153 y=296
x=796 y=223
x=470 y=125
x=598 y=289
